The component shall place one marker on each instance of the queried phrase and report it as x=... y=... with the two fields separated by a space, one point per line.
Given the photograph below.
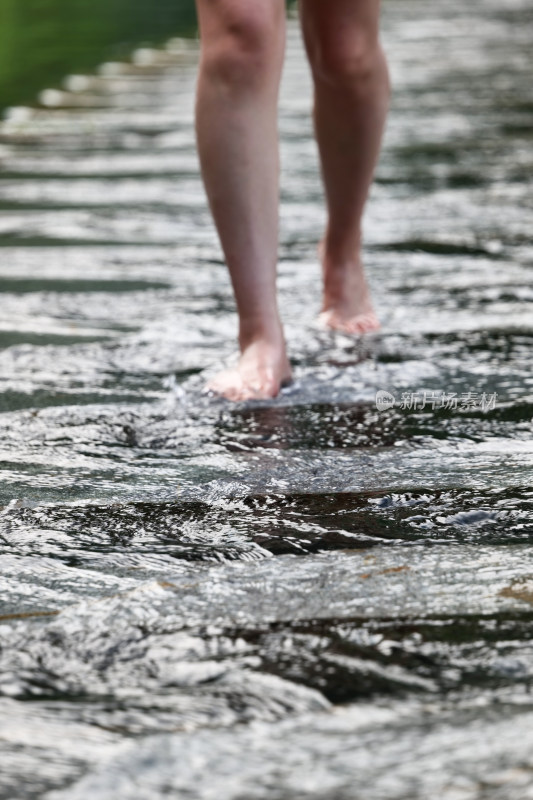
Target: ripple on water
x=303 y=598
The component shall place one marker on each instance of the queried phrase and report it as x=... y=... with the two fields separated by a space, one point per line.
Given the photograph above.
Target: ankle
x=344 y=279
x=265 y=332
x=339 y=269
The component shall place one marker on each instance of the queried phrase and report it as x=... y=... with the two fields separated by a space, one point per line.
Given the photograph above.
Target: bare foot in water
x=347 y=306
x=262 y=370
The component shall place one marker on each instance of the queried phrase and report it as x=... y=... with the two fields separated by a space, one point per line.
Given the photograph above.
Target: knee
x=245 y=47
x=347 y=61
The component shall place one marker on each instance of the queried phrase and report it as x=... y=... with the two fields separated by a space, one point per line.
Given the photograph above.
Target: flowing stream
x=306 y=599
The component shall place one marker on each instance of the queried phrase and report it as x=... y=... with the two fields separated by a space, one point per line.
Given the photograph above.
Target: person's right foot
x=262 y=370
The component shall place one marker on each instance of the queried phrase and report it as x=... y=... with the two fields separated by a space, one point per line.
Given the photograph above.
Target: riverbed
x=310 y=597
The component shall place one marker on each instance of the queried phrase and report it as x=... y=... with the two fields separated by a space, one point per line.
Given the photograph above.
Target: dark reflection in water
x=308 y=598
x=346 y=426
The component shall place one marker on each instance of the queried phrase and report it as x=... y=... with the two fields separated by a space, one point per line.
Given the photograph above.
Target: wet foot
x=336 y=320
x=263 y=369
x=347 y=305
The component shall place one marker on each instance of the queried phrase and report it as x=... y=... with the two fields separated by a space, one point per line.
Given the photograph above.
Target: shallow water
x=305 y=598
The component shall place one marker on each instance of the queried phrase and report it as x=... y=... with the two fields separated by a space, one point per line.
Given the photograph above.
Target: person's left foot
x=261 y=372
x=347 y=305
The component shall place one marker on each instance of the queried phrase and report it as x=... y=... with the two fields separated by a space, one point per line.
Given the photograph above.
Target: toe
x=362 y=323
x=369 y=322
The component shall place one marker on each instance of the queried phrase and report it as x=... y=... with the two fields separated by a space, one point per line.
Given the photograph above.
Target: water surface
x=303 y=598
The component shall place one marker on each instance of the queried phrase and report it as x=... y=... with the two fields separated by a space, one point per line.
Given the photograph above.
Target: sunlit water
x=305 y=598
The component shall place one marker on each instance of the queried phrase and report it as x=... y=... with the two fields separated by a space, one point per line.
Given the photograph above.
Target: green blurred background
x=43 y=40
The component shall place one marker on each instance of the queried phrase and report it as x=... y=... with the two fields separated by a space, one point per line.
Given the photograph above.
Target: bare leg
x=351 y=99
x=242 y=56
